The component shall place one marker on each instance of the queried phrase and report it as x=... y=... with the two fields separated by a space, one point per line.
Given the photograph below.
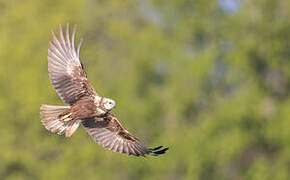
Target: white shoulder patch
x=71 y=66
x=97 y=99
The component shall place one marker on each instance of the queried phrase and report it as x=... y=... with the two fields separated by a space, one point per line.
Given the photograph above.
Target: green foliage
x=212 y=85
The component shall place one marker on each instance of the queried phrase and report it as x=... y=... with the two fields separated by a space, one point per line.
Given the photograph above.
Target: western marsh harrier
x=86 y=107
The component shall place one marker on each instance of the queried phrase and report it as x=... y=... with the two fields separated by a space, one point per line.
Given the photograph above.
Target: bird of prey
x=86 y=106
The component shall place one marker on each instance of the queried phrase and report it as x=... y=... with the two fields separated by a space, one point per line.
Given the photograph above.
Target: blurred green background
x=209 y=79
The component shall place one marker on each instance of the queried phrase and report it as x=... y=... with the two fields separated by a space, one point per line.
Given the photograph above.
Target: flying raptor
x=86 y=106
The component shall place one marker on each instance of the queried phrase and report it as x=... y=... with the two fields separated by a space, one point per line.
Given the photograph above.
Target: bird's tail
x=57 y=120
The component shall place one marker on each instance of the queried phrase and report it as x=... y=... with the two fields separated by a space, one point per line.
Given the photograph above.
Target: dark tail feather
x=156 y=152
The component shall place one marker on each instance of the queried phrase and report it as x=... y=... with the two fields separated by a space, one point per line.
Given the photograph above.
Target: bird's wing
x=109 y=133
x=66 y=72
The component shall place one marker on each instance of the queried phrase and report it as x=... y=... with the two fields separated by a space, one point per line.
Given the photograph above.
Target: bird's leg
x=66 y=118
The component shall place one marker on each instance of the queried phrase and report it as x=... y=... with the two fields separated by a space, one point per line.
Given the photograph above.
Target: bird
x=85 y=106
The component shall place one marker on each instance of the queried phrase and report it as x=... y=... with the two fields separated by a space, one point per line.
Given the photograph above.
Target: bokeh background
x=209 y=79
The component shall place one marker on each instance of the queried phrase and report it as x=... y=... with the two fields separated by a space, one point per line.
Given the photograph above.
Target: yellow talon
x=66 y=117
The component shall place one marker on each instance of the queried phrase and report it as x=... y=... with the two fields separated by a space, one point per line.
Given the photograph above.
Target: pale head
x=108 y=104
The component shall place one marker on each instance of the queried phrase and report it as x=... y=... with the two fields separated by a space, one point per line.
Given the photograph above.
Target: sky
x=230 y=5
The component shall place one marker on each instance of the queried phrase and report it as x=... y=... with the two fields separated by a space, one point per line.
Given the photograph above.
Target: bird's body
x=86 y=107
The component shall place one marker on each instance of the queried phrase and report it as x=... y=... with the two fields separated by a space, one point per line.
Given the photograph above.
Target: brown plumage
x=86 y=107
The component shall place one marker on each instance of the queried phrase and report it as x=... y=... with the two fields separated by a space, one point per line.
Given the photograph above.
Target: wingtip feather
x=158 y=151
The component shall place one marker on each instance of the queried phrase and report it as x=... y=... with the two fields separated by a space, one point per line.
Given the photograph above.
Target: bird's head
x=109 y=104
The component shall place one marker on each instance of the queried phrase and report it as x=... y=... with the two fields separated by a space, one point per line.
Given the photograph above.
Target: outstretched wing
x=66 y=72
x=109 y=133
